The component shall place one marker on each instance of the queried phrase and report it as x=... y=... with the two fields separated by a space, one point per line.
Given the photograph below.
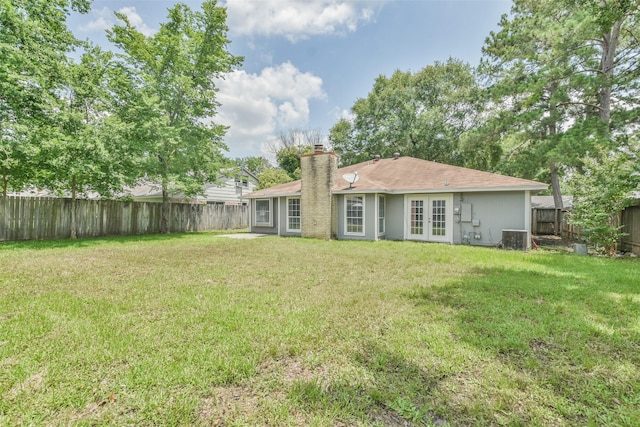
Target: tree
x=290 y=145
x=254 y=164
x=600 y=193
x=422 y=115
x=553 y=70
x=272 y=177
x=86 y=148
x=171 y=99
x=34 y=42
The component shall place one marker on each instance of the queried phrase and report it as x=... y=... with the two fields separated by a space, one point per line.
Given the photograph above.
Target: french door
x=429 y=218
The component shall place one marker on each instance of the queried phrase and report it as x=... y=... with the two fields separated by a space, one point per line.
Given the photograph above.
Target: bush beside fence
x=38 y=218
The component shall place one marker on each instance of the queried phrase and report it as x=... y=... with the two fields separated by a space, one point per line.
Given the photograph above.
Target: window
x=263 y=212
x=381 y=214
x=417 y=217
x=293 y=214
x=354 y=215
x=438 y=217
x=241 y=182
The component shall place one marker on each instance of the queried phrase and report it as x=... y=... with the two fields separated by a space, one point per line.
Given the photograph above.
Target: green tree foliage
x=290 y=145
x=86 y=148
x=34 y=43
x=422 y=114
x=563 y=80
x=272 y=177
x=254 y=164
x=171 y=98
x=600 y=193
x=288 y=159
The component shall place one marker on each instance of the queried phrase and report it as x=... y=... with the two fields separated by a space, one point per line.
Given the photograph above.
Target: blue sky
x=308 y=61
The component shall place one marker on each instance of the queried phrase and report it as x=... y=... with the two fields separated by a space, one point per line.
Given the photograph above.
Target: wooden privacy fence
x=547 y=221
x=631 y=226
x=36 y=218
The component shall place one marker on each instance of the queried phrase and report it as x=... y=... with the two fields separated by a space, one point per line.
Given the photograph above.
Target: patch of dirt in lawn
x=291 y=370
x=30 y=385
x=390 y=418
x=229 y=403
x=94 y=411
x=243 y=402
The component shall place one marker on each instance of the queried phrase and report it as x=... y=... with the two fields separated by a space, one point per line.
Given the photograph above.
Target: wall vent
x=515 y=239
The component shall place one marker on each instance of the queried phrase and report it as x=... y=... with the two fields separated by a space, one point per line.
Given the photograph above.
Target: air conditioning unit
x=515 y=239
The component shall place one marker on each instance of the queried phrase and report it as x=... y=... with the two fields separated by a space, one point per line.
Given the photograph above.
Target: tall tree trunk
x=74 y=225
x=607 y=65
x=5 y=184
x=555 y=185
x=557 y=198
x=552 y=130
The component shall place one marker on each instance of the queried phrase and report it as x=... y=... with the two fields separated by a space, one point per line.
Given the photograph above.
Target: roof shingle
x=411 y=175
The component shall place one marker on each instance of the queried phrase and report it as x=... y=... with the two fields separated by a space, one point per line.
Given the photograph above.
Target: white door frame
x=427 y=229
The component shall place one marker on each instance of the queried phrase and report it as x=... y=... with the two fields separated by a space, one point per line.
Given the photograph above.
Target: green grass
x=200 y=330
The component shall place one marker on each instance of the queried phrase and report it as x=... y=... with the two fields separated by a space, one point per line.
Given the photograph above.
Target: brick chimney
x=318 y=172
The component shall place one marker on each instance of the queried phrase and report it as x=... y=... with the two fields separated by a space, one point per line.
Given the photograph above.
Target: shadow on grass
x=570 y=330
x=85 y=242
x=397 y=392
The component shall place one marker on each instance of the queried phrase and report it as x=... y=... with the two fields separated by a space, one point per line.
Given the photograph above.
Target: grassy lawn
x=202 y=330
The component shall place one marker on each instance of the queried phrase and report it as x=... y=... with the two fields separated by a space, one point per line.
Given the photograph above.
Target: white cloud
x=136 y=20
x=256 y=106
x=296 y=19
x=103 y=19
x=345 y=114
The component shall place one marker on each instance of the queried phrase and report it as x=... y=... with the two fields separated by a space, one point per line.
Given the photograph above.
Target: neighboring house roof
x=411 y=175
x=546 y=202
x=150 y=190
x=146 y=191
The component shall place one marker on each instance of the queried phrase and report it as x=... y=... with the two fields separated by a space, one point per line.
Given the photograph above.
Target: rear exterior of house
x=396 y=199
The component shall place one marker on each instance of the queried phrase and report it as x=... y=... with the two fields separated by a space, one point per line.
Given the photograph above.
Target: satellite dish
x=351 y=178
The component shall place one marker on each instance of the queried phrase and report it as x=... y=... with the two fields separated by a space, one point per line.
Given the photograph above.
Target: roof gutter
x=262 y=196
x=443 y=190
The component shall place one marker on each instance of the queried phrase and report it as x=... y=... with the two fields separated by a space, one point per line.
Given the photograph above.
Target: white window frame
x=346 y=218
x=382 y=230
x=294 y=230
x=255 y=213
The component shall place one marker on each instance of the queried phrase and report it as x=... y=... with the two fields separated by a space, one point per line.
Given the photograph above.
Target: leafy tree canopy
x=170 y=98
x=34 y=43
x=562 y=80
x=272 y=177
x=422 y=114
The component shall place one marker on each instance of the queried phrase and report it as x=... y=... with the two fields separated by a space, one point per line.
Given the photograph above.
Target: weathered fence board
x=37 y=218
x=547 y=221
x=631 y=226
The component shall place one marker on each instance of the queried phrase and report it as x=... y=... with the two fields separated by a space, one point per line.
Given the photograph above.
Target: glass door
x=429 y=218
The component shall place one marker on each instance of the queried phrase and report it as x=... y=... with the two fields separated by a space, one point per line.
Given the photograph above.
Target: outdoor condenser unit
x=515 y=239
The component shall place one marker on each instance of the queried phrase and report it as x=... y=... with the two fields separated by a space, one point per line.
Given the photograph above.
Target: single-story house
x=402 y=198
x=230 y=189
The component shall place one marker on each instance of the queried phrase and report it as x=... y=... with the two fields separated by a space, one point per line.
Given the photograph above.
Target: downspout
x=279 y=217
x=376 y=215
x=527 y=216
